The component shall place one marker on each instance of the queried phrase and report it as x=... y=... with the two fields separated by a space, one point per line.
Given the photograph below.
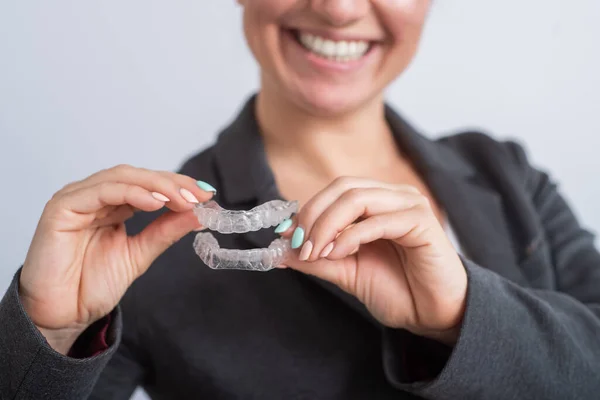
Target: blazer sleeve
x=128 y=367
x=517 y=342
x=31 y=369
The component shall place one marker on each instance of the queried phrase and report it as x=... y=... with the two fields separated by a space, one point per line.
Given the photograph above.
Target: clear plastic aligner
x=212 y=255
x=214 y=217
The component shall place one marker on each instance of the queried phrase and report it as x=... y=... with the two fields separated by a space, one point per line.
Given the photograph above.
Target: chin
x=325 y=102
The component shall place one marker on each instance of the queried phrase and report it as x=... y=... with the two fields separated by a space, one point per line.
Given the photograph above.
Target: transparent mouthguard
x=212 y=255
x=216 y=218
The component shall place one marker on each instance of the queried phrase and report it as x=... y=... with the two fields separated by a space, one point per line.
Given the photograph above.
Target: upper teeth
x=341 y=51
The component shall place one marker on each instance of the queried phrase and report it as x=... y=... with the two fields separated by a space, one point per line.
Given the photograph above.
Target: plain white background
x=87 y=85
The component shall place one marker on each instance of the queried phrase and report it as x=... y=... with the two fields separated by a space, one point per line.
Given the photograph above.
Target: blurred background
x=87 y=85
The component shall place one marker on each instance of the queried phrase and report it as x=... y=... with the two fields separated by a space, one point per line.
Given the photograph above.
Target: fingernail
x=297 y=238
x=188 y=196
x=283 y=226
x=206 y=186
x=306 y=250
x=327 y=250
x=160 y=197
x=202 y=228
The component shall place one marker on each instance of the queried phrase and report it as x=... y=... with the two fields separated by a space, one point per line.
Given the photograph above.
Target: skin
x=321 y=129
x=81 y=261
x=390 y=250
x=383 y=244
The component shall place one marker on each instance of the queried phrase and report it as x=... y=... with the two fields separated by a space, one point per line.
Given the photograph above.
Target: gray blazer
x=531 y=328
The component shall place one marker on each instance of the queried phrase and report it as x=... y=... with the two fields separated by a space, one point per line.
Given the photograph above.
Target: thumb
x=341 y=273
x=161 y=234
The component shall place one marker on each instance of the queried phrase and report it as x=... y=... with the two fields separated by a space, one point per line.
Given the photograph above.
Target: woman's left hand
x=389 y=251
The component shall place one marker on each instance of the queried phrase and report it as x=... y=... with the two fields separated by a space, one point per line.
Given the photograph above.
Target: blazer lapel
x=475 y=211
x=476 y=215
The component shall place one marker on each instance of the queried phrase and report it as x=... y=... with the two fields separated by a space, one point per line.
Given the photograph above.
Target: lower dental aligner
x=214 y=217
x=212 y=255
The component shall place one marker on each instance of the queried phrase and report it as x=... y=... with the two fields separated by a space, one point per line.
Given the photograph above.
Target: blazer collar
x=247 y=177
x=241 y=160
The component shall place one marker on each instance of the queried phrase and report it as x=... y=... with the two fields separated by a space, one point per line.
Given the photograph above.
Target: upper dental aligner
x=216 y=218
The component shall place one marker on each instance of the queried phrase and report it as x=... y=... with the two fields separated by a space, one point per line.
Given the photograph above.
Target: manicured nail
x=306 y=250
x=283 y=226
x=160 y=197
x=188 y=196
x=206 y=186
x=297 y=238
x=327 y=250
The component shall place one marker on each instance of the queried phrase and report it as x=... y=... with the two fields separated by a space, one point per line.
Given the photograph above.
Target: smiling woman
x=331 y=57
x=414 y=268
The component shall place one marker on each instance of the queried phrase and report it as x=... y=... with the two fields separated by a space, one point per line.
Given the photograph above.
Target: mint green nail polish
x=297 y=238
x=283 y=226
x=206 y=187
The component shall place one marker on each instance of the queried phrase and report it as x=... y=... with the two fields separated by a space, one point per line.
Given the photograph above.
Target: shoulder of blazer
x=493 y=158
x=503 y=167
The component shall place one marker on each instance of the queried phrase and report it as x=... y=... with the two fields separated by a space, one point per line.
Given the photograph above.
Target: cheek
x=268 y=10
x=402 y=18
x=405 y=25
x=262 y=20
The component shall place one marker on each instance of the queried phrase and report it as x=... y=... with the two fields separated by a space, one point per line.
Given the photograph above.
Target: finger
x=191 y=184
x=107 y=174
x=287 y=233
x=93 y=199
x=69 y=187
x=117 y=216
x=157 y=237
x=409 y=228
x=322 y=200
x=348 y=208
x=118 y=173
x=341 y=273
x=182 y=192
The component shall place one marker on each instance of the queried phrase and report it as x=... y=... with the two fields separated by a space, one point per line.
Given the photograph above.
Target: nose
x=341 y=12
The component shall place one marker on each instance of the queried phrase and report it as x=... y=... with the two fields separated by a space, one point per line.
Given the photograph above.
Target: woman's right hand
x=81 y=261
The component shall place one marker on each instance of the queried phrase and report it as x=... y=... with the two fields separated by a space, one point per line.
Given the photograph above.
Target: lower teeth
x=335 y=58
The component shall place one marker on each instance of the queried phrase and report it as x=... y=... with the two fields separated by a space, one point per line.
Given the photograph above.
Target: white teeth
x=362 y=47
x=317 y=44
x=328 y=48
x=308 y=40
x=353 y=48
x=341 y=51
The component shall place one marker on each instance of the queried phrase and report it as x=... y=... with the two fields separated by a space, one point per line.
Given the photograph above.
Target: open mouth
x=214 y=217
x=333 y=50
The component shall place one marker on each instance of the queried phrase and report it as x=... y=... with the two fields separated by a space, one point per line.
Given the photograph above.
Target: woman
x=423 y=269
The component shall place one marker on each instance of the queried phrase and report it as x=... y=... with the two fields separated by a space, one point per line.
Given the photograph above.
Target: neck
x=353 y=144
